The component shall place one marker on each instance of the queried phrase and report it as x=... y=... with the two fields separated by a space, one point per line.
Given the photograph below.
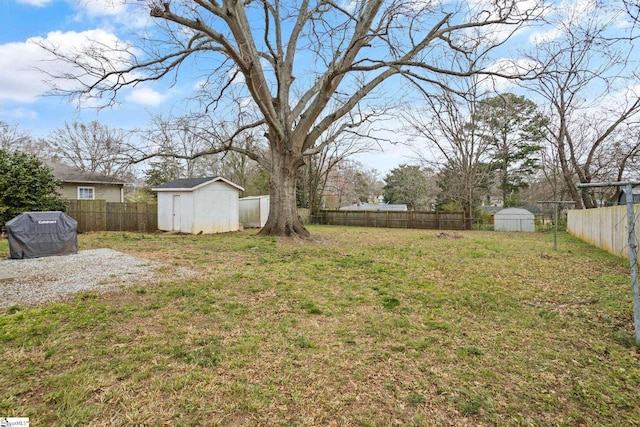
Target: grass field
x=361 y=327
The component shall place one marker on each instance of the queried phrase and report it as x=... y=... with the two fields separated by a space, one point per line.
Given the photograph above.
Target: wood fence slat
x=98 y=215
x=393 y=219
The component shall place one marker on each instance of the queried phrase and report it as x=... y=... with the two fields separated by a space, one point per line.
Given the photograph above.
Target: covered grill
x=41 y=234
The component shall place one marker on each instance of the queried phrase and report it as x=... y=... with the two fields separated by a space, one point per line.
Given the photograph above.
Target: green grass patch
x=361 y=327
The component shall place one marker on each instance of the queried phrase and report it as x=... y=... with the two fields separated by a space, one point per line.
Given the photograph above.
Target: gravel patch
x=38 y=280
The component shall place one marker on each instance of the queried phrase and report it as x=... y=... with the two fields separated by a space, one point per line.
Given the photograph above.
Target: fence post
x=633 y=259
x=633 y=256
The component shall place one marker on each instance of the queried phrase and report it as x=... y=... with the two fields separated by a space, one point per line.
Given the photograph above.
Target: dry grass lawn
x=361 y=327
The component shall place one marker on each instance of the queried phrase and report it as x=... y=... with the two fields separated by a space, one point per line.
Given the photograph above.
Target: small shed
x=41 y=234
x=254 y=211
x=514 y=219
x=199 y=205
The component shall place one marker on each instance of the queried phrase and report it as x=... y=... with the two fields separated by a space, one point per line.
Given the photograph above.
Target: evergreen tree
x=26 y=185
x=409 y=184
x=514 y=130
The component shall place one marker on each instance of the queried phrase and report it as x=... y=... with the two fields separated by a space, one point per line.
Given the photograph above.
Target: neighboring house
x=80 y=185
x=199 y=205
x=622 y=200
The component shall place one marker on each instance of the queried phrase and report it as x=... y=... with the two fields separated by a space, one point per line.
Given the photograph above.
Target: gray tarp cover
x=40 y=234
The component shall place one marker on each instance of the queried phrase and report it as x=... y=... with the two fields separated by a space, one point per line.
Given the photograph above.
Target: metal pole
x=633 y=259
x=555 y=232
x=557 y=204
x=633 y=253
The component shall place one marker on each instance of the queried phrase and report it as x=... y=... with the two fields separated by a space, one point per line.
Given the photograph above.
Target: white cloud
x=567 y=12
x=19 y=81
x=103 y=7
x=580 y=8
x=614 y=101
x=132 y=15
x=246 y=102
x=506 y=67
x=146 y=96
x=25 y=66
x=545 y=36
x=238 y=78
x=19 y=114
x=103 y=46
x=37 y=3
x=90 y=7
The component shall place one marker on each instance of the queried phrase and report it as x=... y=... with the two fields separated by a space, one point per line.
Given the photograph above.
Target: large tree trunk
x=567 y=175
x=468 y=215
x=283 y=217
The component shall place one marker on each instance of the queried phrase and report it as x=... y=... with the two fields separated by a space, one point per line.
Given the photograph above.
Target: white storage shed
x=514 y=219
x=254 y=211
x=198 y=205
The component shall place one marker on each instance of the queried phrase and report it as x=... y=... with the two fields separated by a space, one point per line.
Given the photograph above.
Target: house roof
x=191 y=184
x=70 y=174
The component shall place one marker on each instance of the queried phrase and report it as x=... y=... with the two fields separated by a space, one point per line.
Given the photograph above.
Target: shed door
x=175 y=213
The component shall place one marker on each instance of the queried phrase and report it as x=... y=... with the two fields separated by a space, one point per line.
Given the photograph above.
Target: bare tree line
x=295 y=88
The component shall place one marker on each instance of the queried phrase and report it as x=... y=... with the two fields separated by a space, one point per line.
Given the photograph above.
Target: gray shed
x=41 y=234
x=514 y=219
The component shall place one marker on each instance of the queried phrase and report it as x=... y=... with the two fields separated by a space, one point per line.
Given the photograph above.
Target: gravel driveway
x=54 y=278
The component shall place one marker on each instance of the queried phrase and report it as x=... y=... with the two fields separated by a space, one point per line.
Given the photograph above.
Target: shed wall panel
x=514 y=219
x=166 y=220
x=254 y=211
x=215 y=209
x=211 y=208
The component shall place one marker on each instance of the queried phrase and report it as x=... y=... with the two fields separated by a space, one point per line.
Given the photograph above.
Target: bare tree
x=188 y=148
x=306 y=66
x=11 y=138
x=176 y=140
x=623 y=161
x=92 y=147
x=454 y=144
x=586 y=83
x=347 y=182
x=632 y=7
x=549 y=181
x=330 y=164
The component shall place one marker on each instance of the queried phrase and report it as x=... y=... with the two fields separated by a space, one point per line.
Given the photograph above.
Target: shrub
x=26 y=184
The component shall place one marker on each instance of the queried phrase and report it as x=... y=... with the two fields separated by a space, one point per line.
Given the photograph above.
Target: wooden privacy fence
x=395 y=219
x=605 y=228
x=98 y=215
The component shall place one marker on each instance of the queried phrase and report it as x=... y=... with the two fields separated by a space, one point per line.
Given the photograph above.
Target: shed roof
x=255 y=197
x=191 y=184
x=511 y=212
x=70 y=174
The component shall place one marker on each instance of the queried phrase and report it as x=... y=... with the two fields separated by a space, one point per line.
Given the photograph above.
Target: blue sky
x=23 y=99
x=66 y=22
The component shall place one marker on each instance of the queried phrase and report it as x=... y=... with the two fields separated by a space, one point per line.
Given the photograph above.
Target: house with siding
x=81 y=185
